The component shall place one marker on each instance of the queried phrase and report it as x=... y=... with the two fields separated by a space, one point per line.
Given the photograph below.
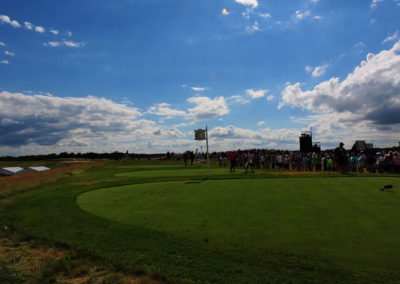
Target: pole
x=208 y=159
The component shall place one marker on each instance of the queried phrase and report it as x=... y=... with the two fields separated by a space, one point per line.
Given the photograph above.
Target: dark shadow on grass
x=197 y=182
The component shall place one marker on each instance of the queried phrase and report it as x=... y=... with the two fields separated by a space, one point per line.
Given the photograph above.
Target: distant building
x=10 y=171
x=360 y=145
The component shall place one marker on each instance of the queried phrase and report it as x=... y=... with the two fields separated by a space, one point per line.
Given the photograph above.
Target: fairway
x=340 y=220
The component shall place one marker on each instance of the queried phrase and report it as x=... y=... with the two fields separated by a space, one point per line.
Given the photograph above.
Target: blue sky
x=140 y=75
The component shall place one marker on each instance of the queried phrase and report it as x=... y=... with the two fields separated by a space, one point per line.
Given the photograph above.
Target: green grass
x=231 y=228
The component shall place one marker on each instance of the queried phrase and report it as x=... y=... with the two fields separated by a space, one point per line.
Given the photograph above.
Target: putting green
x=342 y=219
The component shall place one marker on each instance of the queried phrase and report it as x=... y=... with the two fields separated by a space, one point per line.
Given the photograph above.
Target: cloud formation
x=302 y=15
x=199 y=89
x=40 y=29
x=391 y=37
x=46 y=120
x=165 y=111
x=250 y=3
x=371 y=93
x=28 y=25
x=319 y=70
x=207 y=108
x=4 y=19
x=374 y=3
x=255 y=94
x=67 y=43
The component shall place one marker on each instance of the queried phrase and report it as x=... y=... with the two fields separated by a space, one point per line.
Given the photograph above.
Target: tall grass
x=19 y=183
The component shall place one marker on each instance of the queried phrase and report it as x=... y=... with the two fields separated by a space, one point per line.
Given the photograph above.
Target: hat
x=341 y=143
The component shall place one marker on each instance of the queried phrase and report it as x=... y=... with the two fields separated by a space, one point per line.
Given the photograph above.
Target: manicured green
x=166 y=220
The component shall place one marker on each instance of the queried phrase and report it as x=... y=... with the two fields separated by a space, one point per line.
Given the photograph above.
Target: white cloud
x=246 y=13
x=317 y=17
x=374 y=3
x=198 y=89
x=6 y=20
x=265 y=15
x=231 y=137
x=2 y=43
x=207 y=108
x=50 y=120
x=270 y=98
x=253 y=28
x=392 y=37
x=315 y=1
x=53 y=43
x=302 y=15
x=308 y=69
x=69 y=34
x=261 y=123
x=238 y=99
x=9 y=53
x=252 y=3
x=164 y=110
x=319 y=70
x=73 y=43
x=4 y=62
x=255 y=94
x=372 y=21
x=28 y=25
x=360 y=45
x=370 y=95
x=54 y=32
x=64 y=43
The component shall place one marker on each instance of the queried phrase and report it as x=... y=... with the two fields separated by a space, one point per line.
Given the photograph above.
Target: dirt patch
x=28 y=262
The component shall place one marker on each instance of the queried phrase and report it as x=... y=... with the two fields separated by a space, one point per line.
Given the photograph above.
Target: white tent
x=34 y=169
x=39 y=168
x=10 y=171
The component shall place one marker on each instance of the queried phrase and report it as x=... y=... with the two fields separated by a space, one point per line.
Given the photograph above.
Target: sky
x=141 y=75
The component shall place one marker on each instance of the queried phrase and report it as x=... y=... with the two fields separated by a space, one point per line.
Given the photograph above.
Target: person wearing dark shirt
x=340 y=158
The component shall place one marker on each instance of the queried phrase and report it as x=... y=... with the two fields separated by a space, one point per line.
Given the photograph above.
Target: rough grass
x=285 y=250
x=19 y=183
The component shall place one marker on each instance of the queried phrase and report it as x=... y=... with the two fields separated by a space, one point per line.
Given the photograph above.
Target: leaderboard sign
x=200 y=134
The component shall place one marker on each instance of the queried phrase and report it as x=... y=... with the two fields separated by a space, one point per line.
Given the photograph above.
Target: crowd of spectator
x=338 y=159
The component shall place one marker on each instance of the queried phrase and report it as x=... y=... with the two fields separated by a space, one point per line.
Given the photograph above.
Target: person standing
x=232 y=159
x=191 y=158
x=341 y=158
x=186 y=158
x=250 y=161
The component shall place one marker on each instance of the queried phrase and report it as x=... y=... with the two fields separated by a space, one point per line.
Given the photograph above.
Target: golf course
x=173 y=224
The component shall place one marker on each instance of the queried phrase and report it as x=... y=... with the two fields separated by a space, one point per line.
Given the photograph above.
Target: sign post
x=201 y=134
